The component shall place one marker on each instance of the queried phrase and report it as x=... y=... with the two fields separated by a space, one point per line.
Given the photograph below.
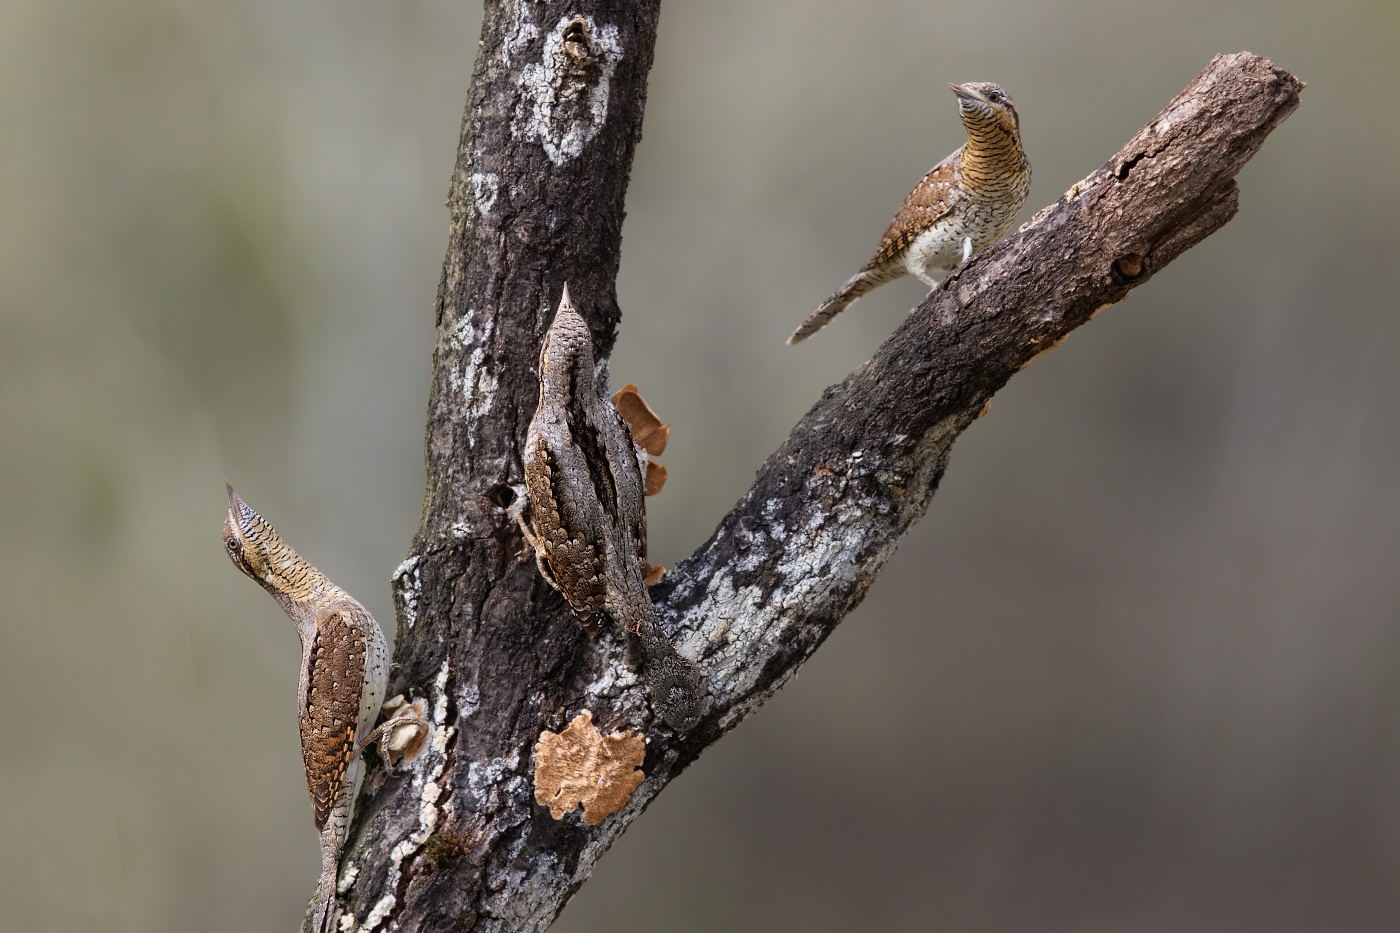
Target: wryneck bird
x=344 y=670
x=965 y=203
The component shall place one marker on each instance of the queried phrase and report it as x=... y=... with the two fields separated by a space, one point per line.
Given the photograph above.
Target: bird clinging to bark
x=587 y=521
x=964 y=204
x=344 y=670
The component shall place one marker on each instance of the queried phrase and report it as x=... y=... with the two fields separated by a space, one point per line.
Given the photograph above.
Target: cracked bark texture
x=455 y=840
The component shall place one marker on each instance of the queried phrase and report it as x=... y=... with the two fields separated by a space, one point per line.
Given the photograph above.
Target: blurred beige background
x=1136 y=672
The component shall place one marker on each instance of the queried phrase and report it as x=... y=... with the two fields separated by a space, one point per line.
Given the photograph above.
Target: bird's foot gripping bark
x=403 y=735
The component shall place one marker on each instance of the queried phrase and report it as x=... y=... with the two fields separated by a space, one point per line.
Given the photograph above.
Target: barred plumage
x=344 y=670
x=587 y=518
x=964 y=204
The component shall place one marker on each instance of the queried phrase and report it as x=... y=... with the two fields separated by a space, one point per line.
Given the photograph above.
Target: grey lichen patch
x=485 y=188
x=408 y=587
x=1183 y=110
x=582 y=767
x=755 y=606
x=752 y=607
x=431 y=806
x=468 y=700
x=476 y=380
x=518 y=32
x=565 y=94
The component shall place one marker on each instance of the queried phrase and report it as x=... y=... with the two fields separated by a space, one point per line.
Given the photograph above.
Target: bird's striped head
x=982 y=104
x=258 y=550
x=567 y=354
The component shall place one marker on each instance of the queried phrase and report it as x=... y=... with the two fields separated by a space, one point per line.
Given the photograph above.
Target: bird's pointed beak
x=964 y=92
x=236 y=506
x=564 y=301
x=240 y=515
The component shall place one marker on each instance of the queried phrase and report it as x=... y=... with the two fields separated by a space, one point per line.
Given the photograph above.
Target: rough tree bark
x=455 y=840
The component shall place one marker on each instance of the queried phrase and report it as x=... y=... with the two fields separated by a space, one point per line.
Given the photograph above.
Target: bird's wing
x=569 y=526
x=931 y=198
x=331 y=708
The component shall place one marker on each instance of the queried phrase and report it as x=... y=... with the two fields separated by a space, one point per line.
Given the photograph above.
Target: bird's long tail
x=333 y=835
x=677 y=687
x=325 y=888
x=863 y=281
x=325 y=903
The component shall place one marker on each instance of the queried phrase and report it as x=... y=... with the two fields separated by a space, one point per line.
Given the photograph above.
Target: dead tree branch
x=455 y=841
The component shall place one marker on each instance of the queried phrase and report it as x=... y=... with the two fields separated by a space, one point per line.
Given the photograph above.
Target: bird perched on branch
x=344 y=670
x=965 y=203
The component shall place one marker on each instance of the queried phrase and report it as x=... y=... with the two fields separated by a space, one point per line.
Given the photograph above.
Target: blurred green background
x=1135 y=672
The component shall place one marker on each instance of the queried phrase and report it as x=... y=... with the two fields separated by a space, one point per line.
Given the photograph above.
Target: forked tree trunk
x=455 y=841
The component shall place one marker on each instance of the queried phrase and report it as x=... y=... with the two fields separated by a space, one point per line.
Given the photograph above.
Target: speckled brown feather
x=925 y=205
x=572 y=565
x=335 y=678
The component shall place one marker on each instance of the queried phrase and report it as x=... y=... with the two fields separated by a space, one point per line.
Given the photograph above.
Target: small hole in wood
x=1128 y=266
x=575 y=39
x=501 y=496
x=1121 y=171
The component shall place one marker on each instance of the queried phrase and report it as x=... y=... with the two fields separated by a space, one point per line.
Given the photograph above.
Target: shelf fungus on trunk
x=587 y=513
x=582 y=767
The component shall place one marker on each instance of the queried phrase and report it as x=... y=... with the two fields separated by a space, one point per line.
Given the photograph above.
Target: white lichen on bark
x=476 y=381
x=566 y=93
x=429 y=810
x=486 y=186
x=518 y=31
x=408 y=587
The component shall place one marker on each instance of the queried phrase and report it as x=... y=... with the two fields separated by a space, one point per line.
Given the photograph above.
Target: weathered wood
x=455 y=841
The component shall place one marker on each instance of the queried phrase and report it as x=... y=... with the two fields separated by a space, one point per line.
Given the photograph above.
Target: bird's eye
x=233 y=546
x=996 y=96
